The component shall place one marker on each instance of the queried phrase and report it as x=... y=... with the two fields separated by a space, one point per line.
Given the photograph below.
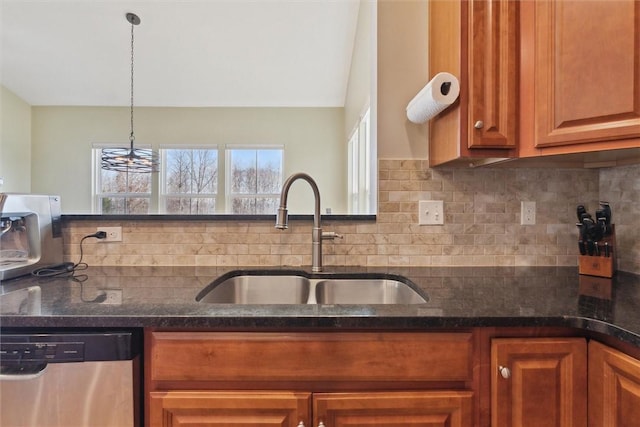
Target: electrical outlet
x=114 y=234
x=430 y=212
x=114 y=296
x=527 y=213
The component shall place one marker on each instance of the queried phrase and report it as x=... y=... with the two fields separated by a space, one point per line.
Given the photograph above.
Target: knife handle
x=580 y=210
x=582 y=247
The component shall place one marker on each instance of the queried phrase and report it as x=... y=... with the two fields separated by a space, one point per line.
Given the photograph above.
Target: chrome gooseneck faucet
x=317 y=235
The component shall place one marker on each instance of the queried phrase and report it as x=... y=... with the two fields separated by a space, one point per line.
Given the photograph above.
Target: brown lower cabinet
x=315 y=379
x=481 y=377
x=614 y=387
x=539 y=382
x=292 y=409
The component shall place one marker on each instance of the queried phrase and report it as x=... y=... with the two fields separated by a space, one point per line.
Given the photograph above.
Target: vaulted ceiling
x=187 y=53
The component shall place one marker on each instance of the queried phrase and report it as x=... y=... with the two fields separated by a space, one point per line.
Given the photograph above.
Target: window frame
x=158 y=195
x=228 y=195
x=96 y=181
x=359 y=166
x=163 y=195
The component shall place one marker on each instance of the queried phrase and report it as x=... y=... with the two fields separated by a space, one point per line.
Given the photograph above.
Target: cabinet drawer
x=306 y=357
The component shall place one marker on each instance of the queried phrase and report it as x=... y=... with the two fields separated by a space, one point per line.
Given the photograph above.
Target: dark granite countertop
x=459 y=297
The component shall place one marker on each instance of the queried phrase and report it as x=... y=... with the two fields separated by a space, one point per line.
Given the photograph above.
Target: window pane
x=123 y=182
x=190 y=206
x=267 y=206
x=137 y=205
x=243 y=205
x=121 y=192
x=112 y=205
x=254 y=205
x=243 y=171
x=269 y=171
x=124 y=205
x=191 y=171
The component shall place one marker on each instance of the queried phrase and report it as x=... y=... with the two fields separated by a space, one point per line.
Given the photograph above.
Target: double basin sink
x=299 y=287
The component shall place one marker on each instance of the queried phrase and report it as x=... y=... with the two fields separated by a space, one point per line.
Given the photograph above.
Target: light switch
x=430 y=212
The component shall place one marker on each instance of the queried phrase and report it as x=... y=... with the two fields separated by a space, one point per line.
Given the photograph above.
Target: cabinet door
x=211 y=408
x=477 y=41
x=493 y=73
x=587 y=72
x=614 y=388
x=429 y=409
x=539 y=382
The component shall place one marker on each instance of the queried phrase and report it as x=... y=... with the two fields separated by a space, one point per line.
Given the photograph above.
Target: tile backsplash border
x=482 y=225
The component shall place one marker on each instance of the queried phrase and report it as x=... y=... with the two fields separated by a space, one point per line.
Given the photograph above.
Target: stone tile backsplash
x=621 y=188
x=482 y=225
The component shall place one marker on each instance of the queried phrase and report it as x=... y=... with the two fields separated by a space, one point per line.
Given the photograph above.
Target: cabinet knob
x=321 y=424
x=301 y=424
x=504 y=371
x=479 y=124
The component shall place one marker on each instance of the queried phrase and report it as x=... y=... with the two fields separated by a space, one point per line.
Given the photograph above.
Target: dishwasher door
x=68 y=380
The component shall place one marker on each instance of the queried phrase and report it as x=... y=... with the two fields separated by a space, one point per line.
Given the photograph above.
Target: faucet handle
x=330 y=235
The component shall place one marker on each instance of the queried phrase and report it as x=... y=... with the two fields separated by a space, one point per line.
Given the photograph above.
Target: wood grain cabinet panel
x=539 y=382
x=218 y=409
x=429 y=409
x=581 y=75
x=269 y=358
x=614 y=388
x=477 y=41
x=493 y=73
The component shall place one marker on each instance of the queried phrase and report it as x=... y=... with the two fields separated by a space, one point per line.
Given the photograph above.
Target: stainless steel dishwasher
x=69 y=379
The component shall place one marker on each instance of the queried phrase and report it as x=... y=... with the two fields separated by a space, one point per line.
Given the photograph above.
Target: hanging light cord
x=131 y=136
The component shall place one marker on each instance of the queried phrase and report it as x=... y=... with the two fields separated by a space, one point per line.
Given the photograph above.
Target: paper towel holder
x=438 y=94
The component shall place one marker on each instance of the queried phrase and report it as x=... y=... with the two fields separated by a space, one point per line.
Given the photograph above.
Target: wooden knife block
x=601 y=266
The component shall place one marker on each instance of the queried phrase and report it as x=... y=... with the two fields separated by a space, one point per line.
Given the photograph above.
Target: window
x=120 y=192
x=254 y=180
x=192 y=181
x=189 y=183
x=359 y=169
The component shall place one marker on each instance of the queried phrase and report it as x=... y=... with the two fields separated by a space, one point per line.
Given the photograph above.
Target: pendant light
x=138 y=160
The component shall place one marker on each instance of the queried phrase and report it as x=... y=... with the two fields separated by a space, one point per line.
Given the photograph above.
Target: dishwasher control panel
x=18 y=347
x=41 y=352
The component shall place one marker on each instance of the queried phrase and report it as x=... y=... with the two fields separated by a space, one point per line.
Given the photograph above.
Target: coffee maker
x=30 y=233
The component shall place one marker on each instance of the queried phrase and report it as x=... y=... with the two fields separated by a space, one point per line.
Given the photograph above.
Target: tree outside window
x=254 y=180
x=121 y=192
x=190 y=180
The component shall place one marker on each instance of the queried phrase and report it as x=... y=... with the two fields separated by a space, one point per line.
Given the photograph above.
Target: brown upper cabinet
x=477 y=41
x=537 y=78
x=580 y=76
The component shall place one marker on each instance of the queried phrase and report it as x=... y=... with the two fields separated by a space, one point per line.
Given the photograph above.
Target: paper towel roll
x=437 y=95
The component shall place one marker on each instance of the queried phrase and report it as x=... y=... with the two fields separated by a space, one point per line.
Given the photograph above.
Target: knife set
x=596 y=241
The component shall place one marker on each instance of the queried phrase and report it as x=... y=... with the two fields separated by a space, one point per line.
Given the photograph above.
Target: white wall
x=15 y=143
x=313 y=137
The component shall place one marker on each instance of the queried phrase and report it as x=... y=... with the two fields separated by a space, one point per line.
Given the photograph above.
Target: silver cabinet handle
x=301 y=424
x=321 y=424
x=479 y=124
x=504 y=371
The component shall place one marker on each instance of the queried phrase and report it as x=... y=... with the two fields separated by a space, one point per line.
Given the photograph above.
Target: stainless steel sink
x=278 y=287
x=366 y=291
x=255 y=289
